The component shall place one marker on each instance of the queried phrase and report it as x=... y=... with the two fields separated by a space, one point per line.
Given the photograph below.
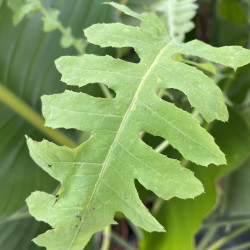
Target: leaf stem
x=30 y=115
x=157 y=206
x=242 y=246
x=123 y=243
x=207 y=238
x=162 y=146
x=16 y=216
x=106 y=238
x=62 y=29
x=222 y=241
x=225 y=222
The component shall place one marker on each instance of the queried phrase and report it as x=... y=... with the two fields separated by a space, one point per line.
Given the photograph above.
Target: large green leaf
x=98 y=176
x=183 y=218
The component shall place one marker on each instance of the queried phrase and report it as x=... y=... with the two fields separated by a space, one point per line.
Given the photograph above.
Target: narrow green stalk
x=106 y=238
x=220 y=223
x=16 y=216
x=157 y=206
x=105 y=90
x=136 y=230
x=162 y=146
x=123 y=243
x=62 y=29
x=30 y=115
x=242 y=246
x=207 y=238
x=222 y=241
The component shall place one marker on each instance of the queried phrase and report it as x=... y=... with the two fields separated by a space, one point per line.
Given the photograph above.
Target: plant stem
x=30 y=115
x=106 y=238
x=222 y=241
x=207 y=238
x=136 y=230
x=62 y=29
x=242 y=246
x=105 y=90
x=234 y=221
x=123 y=243
x=157 y=206
x=16 y=216
x=162 y=146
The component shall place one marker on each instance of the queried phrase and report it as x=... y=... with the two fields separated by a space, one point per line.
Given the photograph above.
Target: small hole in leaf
x=176 y=97
x=208 y=68
x=147 y=196
x=128 y=54
x=160 y=145
x=93 y=89
x=77 y=136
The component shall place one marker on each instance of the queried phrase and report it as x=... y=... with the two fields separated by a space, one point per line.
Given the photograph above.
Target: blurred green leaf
x=26 y=9
x=14 y=5
x=21 y=232
x=67 y=39
x=231 y=11
x=237 y=192
x=51 y=21
x=228 y=31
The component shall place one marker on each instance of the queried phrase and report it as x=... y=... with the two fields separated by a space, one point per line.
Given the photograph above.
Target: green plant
x=178 y=15
x=98 y=176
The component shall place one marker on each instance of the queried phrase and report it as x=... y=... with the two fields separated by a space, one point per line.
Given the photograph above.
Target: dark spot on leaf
x=57 y=195
x=79 y=217
x=55 y=202
x=93 y=209
x=49 y=166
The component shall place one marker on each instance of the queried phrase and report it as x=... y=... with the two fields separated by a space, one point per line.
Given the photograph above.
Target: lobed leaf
x=97 y=178
x=178 y=15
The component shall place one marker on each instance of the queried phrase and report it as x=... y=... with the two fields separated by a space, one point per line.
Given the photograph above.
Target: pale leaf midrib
x=105 y=163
